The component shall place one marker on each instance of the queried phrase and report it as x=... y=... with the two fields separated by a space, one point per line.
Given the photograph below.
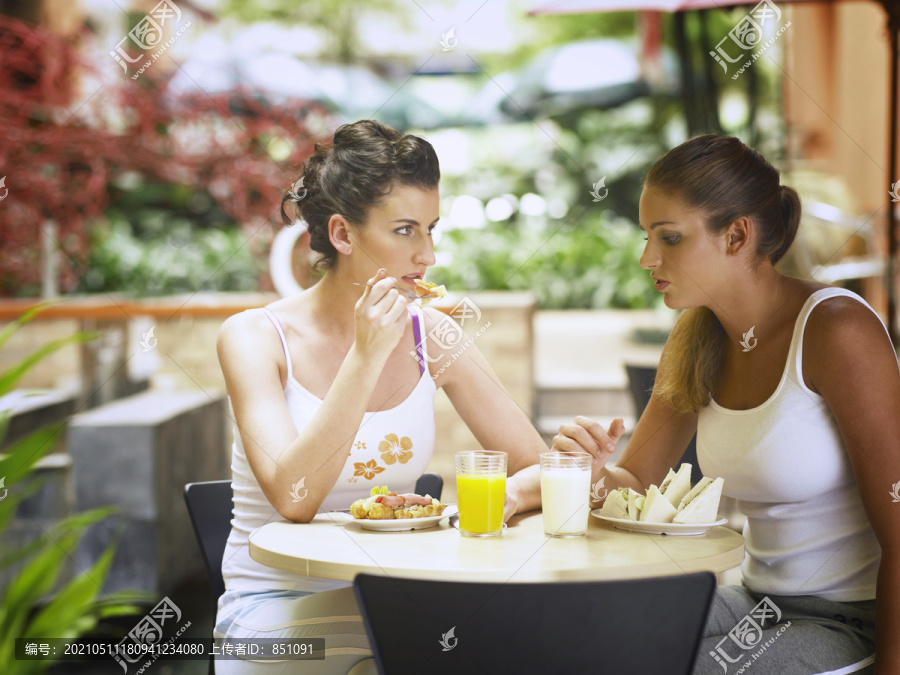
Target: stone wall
x=137 y=454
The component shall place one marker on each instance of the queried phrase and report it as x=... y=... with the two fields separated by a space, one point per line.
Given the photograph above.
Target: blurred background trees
x=169 y=180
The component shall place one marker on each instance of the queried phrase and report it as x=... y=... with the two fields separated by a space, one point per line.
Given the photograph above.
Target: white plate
x=660 y=528
x=398 y=524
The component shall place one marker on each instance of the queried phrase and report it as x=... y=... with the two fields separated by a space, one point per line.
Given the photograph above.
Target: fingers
x=397 y=311
x=587 y=435
x=384 y=292
x=574 y=438
x=605 y=439
x=379 y=275
x=616 y=429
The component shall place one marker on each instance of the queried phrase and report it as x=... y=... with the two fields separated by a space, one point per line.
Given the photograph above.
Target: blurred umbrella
x=588 y=74
x=486 y=107
x=891 y=8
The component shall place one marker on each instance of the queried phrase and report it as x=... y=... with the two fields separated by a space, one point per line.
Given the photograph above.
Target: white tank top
x=786 y=464
x=392 y=447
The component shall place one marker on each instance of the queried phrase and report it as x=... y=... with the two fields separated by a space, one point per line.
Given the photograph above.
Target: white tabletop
x=331 y=549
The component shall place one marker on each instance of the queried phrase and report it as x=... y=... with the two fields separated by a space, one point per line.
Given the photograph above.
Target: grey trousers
x=749 y=632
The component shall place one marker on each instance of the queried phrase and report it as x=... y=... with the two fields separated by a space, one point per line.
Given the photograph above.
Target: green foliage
x=591 y=263
x=29 y=608
x=168 y=239
x=213 y=260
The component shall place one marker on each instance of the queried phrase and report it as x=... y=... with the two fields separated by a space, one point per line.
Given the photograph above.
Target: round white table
x=329 y=548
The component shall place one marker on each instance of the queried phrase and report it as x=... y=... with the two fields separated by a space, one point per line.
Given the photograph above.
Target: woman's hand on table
x=587 y=435
x=511 y=505
x=380 y=317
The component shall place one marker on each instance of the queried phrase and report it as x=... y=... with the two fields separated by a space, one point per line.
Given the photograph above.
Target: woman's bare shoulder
x=841 y=329
x=246 y=334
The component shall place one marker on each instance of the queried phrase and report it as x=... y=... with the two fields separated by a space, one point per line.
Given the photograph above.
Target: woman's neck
x=764 y=305
x=333 y=302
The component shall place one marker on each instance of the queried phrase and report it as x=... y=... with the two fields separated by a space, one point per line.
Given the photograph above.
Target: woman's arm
x=849 y=360
x=497 y=422
x=278 y=456
x=659 y=440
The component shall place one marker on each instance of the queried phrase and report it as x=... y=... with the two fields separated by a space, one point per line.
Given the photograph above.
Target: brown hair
x=726 y=180
x=366 y=159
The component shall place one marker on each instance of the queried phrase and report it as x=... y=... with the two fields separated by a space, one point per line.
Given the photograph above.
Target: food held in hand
x=674 y=502
x=385 y=505
x=426 y=288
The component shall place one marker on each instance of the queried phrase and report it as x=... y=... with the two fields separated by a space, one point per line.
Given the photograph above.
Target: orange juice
x=481 y=498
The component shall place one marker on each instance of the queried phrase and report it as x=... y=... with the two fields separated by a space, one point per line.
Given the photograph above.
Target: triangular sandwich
x=701 y=504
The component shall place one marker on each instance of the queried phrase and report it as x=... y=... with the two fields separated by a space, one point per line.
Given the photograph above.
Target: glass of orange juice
x=481 y=492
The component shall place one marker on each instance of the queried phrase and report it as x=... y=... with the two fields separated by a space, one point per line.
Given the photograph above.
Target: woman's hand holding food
x=587 y=435
x=380 y=317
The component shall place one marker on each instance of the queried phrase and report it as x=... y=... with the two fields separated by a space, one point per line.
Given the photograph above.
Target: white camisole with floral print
x=392 y=447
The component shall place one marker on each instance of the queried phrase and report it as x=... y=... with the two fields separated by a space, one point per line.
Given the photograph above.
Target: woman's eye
x=406 y=229
x=431 y=229
x=673 y=239
x=646 y=238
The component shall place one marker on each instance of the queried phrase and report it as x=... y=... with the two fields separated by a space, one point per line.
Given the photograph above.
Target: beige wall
x=836 y=89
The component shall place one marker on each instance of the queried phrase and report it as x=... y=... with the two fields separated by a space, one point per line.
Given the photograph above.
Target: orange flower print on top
x=395 y=449
x=368 y=470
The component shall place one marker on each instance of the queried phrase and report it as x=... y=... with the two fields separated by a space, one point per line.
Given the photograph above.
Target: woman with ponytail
x=793 y=389
x=328 y=400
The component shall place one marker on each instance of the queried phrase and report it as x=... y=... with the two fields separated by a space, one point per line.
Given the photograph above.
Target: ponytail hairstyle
x=365 y=160
x=726 y=180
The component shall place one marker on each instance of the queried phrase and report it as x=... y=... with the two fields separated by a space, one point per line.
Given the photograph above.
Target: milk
x=565 y=495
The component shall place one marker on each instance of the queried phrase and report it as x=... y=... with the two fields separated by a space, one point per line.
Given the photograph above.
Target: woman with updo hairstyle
x=793 y=390
x=333 y=390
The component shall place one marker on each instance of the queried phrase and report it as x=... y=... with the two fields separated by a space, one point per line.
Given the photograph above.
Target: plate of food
x=673 y=508
x=389 y=512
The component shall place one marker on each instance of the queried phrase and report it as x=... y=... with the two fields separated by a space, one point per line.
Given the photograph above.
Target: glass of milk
x=566 y=493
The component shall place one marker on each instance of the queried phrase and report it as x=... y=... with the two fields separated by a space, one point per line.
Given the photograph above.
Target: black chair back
x=209 y=505
x=430 y=484
x=646 y=626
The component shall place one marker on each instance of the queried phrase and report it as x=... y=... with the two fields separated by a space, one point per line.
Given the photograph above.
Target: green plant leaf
x=23 y=454
x=7 y=509
x=37 y=579
x=9 y=377
x=28 y=315
x=64 y=616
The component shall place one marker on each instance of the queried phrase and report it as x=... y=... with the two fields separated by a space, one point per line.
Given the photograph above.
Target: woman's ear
x=339 y=234
x=737 y=238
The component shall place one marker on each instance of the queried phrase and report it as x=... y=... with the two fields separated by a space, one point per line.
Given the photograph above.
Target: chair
x=430 y=484
x=209 y=506
x=640 y=380
x=646 y=626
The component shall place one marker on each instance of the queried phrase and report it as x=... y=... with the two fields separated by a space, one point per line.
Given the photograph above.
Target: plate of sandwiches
x=673 y=508
x=389 y=512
